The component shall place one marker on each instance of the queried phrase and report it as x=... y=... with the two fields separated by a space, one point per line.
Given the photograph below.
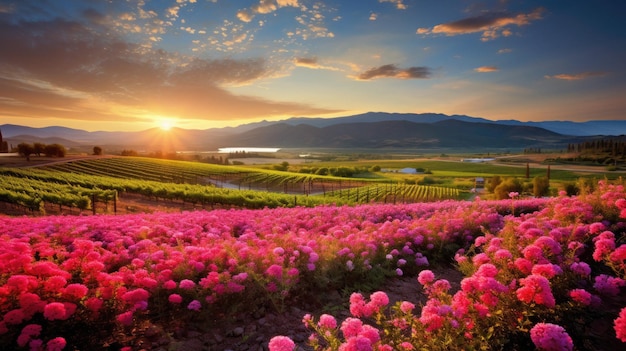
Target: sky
x=197 y=64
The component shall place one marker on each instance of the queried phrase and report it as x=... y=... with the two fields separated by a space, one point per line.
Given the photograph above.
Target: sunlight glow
x=165 y=124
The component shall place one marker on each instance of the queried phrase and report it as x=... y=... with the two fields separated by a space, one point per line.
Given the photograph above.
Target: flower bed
x=71 y=282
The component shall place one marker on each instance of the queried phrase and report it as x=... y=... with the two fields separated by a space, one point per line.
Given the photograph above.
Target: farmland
x=241 y=255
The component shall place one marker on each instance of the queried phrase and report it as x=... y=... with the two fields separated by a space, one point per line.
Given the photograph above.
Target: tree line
x=612 y=146
x=50 y=150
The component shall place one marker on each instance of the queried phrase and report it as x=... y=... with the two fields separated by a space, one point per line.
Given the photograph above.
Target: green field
x=79 y=183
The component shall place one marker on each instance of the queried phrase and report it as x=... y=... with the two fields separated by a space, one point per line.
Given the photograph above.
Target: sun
x=165 y=124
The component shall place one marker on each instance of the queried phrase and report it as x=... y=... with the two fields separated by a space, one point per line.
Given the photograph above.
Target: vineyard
x=97 y=184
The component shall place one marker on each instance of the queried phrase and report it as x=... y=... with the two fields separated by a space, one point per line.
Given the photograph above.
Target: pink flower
x=620 y=325
x=503 y=254
x=55 y=283
x=56 y=344
x=426 y=277
x=94 y=304
x=608 y=285
x=371 y=333
x=76 y=291
x=125 y=318
x=379 y=299
x=281 y=343
x=603 y=247
x=132 y=297
x=194 y=305
x=406 y=307
x=187 y=284
x=351 y=327
x=327 y=322
x=54 y=311
x=581 y=296
x=580 y=268
x=175 y=298
x=275 y=271
x=547 y=270
x=551 y=337
x=169 y=285
x=536 y=288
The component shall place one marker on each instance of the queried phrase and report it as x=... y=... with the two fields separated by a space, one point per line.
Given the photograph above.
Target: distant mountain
x=368 y=130
x=398 y=134
x=589 y=128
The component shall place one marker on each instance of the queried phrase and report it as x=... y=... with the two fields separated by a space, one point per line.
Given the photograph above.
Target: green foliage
x=507 y=186
x=493 y=183
x=541 y=186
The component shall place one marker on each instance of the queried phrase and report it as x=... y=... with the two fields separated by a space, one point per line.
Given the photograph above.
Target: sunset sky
x=137 y=64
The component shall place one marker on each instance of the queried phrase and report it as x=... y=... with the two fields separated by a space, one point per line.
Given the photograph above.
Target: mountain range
x=368 y=130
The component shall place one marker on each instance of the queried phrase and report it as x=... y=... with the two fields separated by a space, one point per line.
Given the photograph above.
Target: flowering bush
x=526 y=283
x=70 y=282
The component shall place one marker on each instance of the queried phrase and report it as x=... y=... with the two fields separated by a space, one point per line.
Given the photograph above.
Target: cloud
x=392 y=71
x=265 y=7
x=373 y=16
x=486 y=69
x=62 y=69
x=505 y=51
x=577 y=76
x=399 y=3
x=491 y=24
x=312 y=63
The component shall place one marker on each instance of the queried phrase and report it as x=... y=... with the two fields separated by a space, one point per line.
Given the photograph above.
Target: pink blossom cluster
x=81 y=268
x=534 y=265
x=56 y=269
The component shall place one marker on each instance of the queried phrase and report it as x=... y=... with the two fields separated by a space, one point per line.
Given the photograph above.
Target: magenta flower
x=608 y=285
x=194 y=305
x=56 y=344
x=551 y=337
x=580 y=268
x=187 y=284
x=54 y=311
x=281 y=343
x=379 y=299
x=406 y=307
x=125 y=318
x=275 y=271
x=581 y=296
x=536 y=288
x=175 y=298
x=620 y=325
x=327 y=322
x=76 y=291
x=351 y=327
x=426 y=277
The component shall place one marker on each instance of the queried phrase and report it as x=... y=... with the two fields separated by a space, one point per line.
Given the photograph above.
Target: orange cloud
x=491 y=24
x=392 y=71
x=486 y=69
x=312 y=63
x=577 y=76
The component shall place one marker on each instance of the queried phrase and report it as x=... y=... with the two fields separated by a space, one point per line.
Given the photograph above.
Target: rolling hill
x=369 y=130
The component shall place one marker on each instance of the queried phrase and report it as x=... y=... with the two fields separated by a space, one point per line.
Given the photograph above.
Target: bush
x=508 y=186
x=541 y=186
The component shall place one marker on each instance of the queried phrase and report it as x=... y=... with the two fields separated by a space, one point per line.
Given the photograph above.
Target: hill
x=368 y=130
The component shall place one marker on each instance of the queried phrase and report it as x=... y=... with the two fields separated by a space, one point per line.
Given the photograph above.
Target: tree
x=55 y=150
x=493 y=183
x=39 y=148
x=97 y=150
x=25 y=150
x=541 y=186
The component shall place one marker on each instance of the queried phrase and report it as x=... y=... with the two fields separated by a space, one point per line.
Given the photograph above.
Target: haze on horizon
x=198 y=64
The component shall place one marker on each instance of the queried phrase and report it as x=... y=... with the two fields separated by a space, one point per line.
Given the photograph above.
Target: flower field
x=538 y=273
